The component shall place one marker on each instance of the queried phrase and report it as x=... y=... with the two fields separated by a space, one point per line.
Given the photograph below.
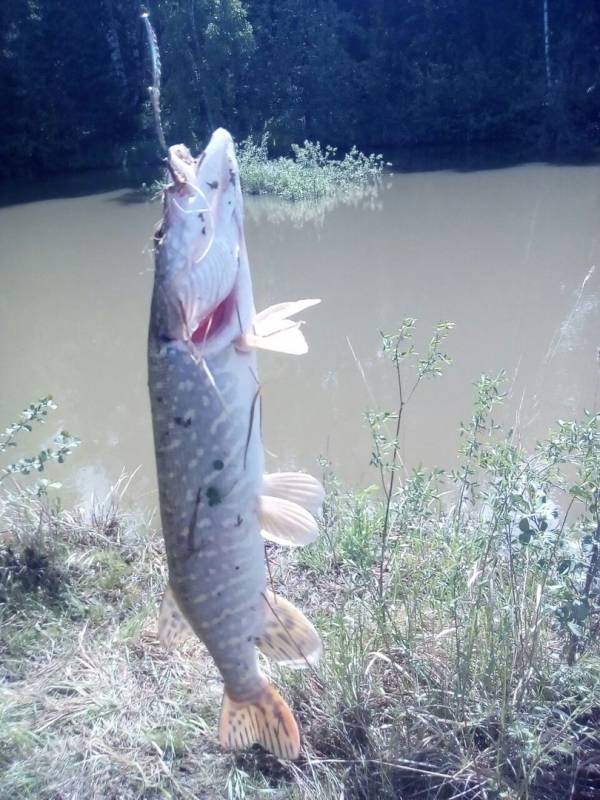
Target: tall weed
x=462 y=657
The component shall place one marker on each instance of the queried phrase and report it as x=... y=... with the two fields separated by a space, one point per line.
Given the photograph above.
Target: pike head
x=202 y=290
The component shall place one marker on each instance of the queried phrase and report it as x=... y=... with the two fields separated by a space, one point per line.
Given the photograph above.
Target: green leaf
x=580 y=610
x=564 y=566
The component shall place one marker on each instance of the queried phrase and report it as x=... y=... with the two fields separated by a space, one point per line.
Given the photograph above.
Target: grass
x=459 y=613
x=90 y=704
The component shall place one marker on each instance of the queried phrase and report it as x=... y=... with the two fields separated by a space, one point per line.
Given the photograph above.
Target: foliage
x=73 y=76
x=460 y=611
x=312 y=174
x=206 y=46
x=63 y=444
x=27 y=567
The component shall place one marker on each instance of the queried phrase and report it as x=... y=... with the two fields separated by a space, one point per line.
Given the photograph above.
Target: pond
x=509 y=255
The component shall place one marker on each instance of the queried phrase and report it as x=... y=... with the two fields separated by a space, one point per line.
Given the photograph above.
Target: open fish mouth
x=201 y=253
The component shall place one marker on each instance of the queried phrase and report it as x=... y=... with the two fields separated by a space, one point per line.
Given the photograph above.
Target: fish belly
x=209 y=460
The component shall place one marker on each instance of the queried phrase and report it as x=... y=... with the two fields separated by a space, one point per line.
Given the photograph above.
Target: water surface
x=509 y=255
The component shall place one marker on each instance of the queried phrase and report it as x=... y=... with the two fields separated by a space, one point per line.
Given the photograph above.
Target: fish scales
x=216 y=504
x=210 y=512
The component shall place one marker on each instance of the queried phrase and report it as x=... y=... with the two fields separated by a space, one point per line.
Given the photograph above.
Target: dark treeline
x=379 y=73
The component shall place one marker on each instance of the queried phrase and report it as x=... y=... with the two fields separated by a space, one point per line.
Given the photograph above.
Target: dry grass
x=90 y=704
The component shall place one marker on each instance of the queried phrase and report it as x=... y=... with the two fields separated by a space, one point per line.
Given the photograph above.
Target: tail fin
x=267 y=721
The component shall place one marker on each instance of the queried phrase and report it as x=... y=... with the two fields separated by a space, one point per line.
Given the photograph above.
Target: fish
x=217 y=505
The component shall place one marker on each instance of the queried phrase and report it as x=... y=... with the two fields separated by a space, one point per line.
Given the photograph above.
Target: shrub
x=313 y=173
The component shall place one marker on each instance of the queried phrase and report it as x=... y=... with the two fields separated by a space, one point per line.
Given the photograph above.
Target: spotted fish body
x=209 y=505
x=216 y=503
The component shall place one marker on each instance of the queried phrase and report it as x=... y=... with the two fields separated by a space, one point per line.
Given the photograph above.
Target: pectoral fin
x=274 y=330
x=286 y=523
x=288 y=637
x=173 y=627
x=297 y=487
x=289 y=340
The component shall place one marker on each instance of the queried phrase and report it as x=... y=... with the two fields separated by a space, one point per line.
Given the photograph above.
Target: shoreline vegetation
x=313 y=173
x=459 y=612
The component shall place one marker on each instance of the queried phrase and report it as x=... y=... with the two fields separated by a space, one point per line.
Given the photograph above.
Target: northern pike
x=216 y=503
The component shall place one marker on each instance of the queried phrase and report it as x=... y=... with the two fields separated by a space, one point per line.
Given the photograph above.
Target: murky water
x=509 y=255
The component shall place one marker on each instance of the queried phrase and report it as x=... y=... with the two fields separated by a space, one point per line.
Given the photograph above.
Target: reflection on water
x=508 y=255
x=262 y=208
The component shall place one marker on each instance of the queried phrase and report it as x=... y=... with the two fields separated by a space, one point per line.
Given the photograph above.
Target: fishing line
x=191 y=210
x=566 y=325
x=154 y=90
x=251 y=425
x=206 y=369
